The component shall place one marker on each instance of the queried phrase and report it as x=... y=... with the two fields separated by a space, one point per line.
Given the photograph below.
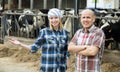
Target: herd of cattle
x=109 y=22
x=27 y=23
x=23 y=23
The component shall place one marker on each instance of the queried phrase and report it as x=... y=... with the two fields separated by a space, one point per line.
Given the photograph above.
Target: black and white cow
x=11 y=23
x=30 y=23
x=108 y=21
x=39 y=23
x=111 y=29
x=26 y=23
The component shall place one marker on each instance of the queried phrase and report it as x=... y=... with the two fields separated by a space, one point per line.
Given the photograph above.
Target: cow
x=26 y=23
x=10 y=23
x=39 y=23
x=111 y=29
x=68 y=26
x=108 y=21
x=31 y=22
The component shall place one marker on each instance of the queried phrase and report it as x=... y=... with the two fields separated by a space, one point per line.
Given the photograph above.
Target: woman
x=53 y=41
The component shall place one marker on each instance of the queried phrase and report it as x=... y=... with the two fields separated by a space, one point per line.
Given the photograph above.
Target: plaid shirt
x=54 y=50
x=96 y=37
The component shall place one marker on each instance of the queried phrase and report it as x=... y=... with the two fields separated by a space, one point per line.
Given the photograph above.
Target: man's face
x=87 y=19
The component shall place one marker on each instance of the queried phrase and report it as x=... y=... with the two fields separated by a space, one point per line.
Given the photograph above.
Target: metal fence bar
x=116 y=18
x=45 y=4
x=59 y=4
x=9 y=4
x=73 y=16
x=19 y=4
x=2 y=32
x=31 y=4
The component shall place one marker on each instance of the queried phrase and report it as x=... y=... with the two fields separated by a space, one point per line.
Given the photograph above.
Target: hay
x=110 y=60
x=6 y=52
x=24 y=55
x=110 y=67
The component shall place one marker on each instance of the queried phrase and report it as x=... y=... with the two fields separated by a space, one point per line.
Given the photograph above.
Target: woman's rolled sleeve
x=39 y=41
x=34 y=48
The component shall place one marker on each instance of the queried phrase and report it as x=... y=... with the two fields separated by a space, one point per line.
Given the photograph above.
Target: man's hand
x=89 y=51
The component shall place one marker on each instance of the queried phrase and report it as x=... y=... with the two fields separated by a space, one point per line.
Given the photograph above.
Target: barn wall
x=105 y=4
x=38 y=4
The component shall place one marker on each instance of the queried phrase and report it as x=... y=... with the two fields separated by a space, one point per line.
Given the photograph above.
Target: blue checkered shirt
x=54 y=49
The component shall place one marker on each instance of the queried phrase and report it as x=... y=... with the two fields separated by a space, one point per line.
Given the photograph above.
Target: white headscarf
x=55 y=12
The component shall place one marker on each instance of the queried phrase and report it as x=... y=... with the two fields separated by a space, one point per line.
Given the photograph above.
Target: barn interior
x=24 y=18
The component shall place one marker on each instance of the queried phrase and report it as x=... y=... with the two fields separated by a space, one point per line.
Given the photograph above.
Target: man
x=88 y=44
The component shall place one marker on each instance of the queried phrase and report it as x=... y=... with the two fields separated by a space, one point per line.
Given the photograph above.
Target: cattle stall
x=28 y=23
x=23 y=22
x=109 y=21
x=71 y=8
x=12 y=9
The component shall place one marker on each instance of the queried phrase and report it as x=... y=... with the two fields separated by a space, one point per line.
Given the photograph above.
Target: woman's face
x=54 y=21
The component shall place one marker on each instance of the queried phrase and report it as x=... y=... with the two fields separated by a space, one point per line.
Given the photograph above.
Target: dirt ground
x=17 y=59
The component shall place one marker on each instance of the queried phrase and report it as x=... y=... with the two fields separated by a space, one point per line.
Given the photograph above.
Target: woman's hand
x=14 y=41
